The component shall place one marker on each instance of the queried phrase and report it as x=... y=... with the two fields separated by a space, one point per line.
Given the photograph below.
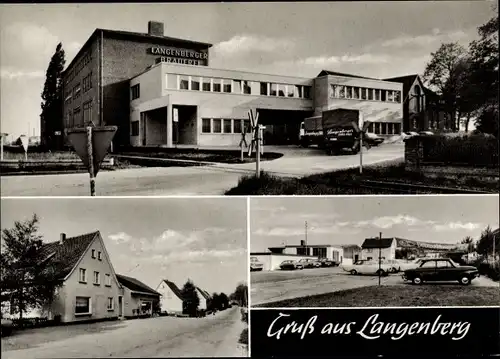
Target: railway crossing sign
x=91 y=144
x=25 y=143
x=256 y=140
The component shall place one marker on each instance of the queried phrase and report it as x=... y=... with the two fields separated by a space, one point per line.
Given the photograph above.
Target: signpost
x=256 y=140
x=25 y=142
x=92 y=145
x=243 y=141
x=379 y=257
x=361 y=127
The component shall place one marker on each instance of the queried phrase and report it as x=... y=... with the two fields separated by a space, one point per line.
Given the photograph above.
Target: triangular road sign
x=355 y=125
x=25 y=142
x=366 y=124
x=101 y=140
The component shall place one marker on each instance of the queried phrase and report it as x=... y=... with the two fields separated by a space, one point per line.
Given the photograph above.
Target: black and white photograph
x=294 y=98
x=124 y=277
x=377 y=251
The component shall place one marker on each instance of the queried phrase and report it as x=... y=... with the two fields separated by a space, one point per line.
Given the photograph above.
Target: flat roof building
x=161 y=91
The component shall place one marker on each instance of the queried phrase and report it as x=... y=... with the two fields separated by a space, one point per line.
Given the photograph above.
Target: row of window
x=78 y=67
x=73 y=94
x=224 y=125
x=99 y=254
x=135 y=91
x=87 y=82
x=240 y=87
x=83 y=305
x=97 y=278
x=363 y=93
x=74 y=117
x=385 y=128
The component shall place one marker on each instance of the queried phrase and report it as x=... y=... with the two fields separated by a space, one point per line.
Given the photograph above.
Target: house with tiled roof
x=205 y=298
x=171 y=300
x=138 y=298
x=90 y=289
x=372 y=247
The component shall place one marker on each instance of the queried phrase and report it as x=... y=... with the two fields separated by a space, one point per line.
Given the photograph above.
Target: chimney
x=62 y=238
x=155 y=28
x=302 y=243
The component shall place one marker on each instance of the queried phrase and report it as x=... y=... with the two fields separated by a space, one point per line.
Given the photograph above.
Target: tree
x=444 y=75
x=240 y=295
x=191 y=300
x=485 y=243
x=27 y=279
x=51 y=117
x=469 y=241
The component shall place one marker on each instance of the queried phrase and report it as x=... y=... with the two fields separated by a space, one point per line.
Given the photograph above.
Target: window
x=384 y=128
x=171 y=81
x=370 y=94
x=289 y=91
x=246 y=126
x=263 y=88
x=99 y=255
x=369 y=250
x=236 y=126
x=397 y=96
x=183 y=82
x=111 y=303
x=355 y=93
x=298 y=91
x=217 y=85
x=206 y=85
x=135 y=91
x=205 y=125
x=377 y=95
x=429 y=264
x=195 y=83
x=363 y=94
x=390 y=96
x=281 y=90
x=82 y=305
x=77 y=91
x=135 y=128
x=307 y=92
x=274 y=90
x=77 y=117
x=93 y=253
x=302 y=251
x=97 y=278
x=108 y=280
x=377 y=128
x=217 y=125
x=87 y=82
x=348 y=92
x=383 y=95
x=237 y=86
x=247 y=89
x=397 y=128
x=334 y=92
x=370 y=127
x=82 y=275
x=341 y=91
x=227 y=125
x=87 y=112
x=390 y=128
x=227 y=86
x=443 y=264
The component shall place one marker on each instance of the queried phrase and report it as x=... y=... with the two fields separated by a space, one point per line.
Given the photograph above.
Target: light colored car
x=367 y=267
x=310 y=263
x=291 y=265
x=394 y=264
x=255 y=265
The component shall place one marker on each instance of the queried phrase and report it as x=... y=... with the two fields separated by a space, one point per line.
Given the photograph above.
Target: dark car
x=328 y=263
x=441 y=269
x=291 y=265
x=372 y=139
x=310 y=263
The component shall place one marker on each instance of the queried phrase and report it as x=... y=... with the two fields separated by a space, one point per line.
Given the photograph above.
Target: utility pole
x=307 y=248
x=379 y=257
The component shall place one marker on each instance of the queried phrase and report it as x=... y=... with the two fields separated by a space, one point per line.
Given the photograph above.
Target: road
x=272 y=286
x=199 y=180
x=215 y=336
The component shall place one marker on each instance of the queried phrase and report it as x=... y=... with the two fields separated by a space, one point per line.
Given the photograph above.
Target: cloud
x=325 y=61
x=391 y=221
x=239 y=45
x=425 y=40
x=280 y=232
x=12 y=74
x=120 y=237
x=197 y=256
x=454 y=226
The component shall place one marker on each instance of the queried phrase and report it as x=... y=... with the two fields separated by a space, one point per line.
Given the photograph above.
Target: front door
x=120 y=306
x=143 y=128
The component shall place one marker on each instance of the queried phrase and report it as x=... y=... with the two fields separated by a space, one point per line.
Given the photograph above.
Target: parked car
x=407 y=135
x=6 y=325
x=291 y=265
x=367 y=267
x=405 y=265
x=328 y=263
x=255 y=264
x=310 y=263
x=372 y=139
x=394 y=264
x=440 y=269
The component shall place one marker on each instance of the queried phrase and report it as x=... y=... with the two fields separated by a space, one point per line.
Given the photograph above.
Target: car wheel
x=464 y=280
x=354 y=272
x=417 y=280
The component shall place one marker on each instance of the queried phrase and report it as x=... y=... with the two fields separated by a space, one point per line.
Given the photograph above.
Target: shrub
x=491 y=270
x=244 y=337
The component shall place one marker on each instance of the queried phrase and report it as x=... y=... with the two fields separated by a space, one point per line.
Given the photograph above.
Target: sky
x=349 y=220
x=204 y=240
x=375 y=39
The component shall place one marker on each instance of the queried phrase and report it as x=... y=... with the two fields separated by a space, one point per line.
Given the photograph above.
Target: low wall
x=41 y=165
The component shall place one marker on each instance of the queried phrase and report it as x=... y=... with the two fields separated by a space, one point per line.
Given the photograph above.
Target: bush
x=491 y=270
x=244 y=337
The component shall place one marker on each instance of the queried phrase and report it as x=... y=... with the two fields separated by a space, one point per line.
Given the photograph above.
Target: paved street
x=280 y=285
x=215 y=336
x=205 y=180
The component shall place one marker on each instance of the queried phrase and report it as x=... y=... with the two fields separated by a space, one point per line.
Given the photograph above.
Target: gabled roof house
x=171 y=301
x=139 y=299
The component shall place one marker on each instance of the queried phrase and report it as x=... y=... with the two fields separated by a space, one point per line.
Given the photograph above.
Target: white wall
x=169 y=302
x=273 y=261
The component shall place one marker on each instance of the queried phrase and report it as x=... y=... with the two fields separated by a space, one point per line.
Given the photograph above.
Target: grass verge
x=397 y=296
x=335 y=182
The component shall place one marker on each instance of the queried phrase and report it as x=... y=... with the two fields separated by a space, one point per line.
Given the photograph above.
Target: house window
x=298 y=91
x=217 y=85
x=77 y=91
x=237 y=126
x=195 y=83
x=83 y=275
x=99 y=255
x=397 y=96
x=370 y=94
x=108 y=280
x=227 y=86
x=77 y=117
x=363 y=93
x=82 y=305
x=384 y=128
x=206 y=85
x=263 y=89
x=217 y=125
x=97 y=278
x=171 y=81
x=237 y=86
x=377 y=95
x=302 y=251
x=87 y=112
x=355 y=93
x=274 y=90
x=205 y=125
x=281 y=90
x=341 y=91
x=93 y=253
x=289 y=91
x=370 y=127
x=390 y=96
x=397 y=128
x=183 y=82
x=111 y=303
x=246 y=126
x=377 y=128
x=135 y=91
x=247 y=89
x=227 y=126
x=348 y=92
x=369 y=250
x=135 y=128
x=383 y=94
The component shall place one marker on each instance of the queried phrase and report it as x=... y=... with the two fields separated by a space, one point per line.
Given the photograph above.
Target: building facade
x=138 y=299
x=160 y=91
x=171 y=301
x=372 y=248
